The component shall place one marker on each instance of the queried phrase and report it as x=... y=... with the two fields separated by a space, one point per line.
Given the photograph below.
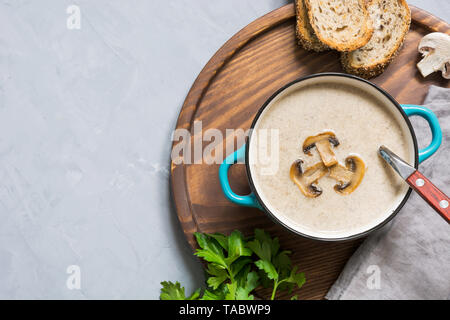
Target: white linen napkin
x=409 y=258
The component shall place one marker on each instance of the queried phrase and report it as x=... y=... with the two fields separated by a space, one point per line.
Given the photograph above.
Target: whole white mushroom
x=435 y=48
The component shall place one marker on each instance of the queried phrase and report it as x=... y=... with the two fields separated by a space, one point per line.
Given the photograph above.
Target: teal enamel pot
x=403 y=111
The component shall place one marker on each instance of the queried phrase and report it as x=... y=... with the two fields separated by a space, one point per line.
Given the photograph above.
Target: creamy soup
x=362 y=119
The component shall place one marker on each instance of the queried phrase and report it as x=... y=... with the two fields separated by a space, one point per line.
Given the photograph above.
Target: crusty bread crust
x=376 y=68
x=347 y=46
x=305 y=34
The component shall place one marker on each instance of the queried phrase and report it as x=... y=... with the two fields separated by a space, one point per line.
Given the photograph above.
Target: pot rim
x=272 y=215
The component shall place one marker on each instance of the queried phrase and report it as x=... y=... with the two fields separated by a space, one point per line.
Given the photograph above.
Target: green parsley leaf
x=242 y=293
x=221 y=239
x=241 y=276
x=239 y=264
x=210 y=295
x=264 y=237
x=174 y=291
x=296 y=278
x=283 y=263
x=236 y=247
x=268 y=267
x=206 y=243
x=262 y=250
x=220 y=275
x=211 y=257
x=231 y=295
x=210 y=250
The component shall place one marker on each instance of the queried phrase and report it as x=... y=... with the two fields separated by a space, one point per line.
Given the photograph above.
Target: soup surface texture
x=362 y=121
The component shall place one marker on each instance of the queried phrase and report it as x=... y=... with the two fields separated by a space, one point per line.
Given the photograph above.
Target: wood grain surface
x=230 y=89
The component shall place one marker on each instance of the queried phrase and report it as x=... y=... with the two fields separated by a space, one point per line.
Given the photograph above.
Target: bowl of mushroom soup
x=312 y=156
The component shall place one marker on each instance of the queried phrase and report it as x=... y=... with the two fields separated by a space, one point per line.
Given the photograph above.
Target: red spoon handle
x=431 y=194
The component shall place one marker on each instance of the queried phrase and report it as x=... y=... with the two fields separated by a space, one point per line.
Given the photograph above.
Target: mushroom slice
x=323 y=142
x=350 y=176
x=435 y=48
x=307 y=179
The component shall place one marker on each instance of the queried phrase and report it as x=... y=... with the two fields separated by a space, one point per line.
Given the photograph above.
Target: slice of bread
x=343 y=25
x=305 y=33
x=391 y=20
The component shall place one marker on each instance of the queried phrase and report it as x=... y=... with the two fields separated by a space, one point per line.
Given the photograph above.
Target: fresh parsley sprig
x=225 y=269
x=232 y=270
x=276 y=264
x=174 y=291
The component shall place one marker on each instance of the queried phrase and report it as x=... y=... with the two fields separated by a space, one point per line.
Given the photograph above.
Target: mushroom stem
x=326 y=154
x=322 y=142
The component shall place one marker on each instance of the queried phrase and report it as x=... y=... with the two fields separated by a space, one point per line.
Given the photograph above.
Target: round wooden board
x=234 y=84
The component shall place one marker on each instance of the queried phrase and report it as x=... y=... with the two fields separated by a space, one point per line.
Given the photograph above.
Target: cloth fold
x=409 y=258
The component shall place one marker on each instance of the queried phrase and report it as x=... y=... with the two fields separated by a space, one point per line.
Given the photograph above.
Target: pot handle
x=247 y=200
x=430 y=117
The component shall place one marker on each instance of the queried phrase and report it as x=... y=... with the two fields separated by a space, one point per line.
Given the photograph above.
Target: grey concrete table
x=89 y=96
